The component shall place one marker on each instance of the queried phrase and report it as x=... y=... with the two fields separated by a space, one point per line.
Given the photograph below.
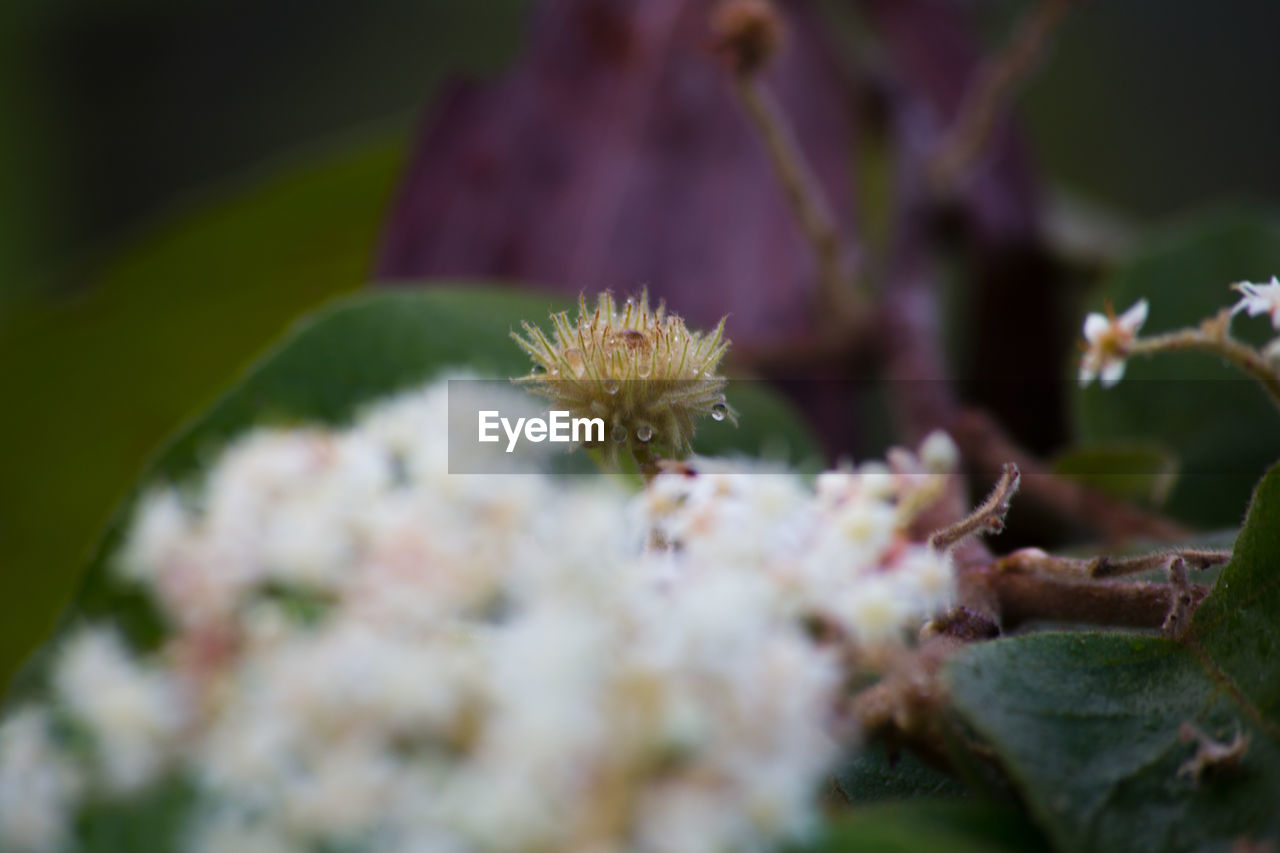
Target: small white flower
x=876 y=610
x=939 y=453
x=133 y=712
x=159 y=528
x=1259 y=299
x=1109 y=338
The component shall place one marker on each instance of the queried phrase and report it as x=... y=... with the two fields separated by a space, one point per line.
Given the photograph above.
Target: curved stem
x=841 y=300
x=1212 y=337
x=993 y=90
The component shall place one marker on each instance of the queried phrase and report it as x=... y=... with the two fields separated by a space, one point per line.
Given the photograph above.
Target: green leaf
x=154 y=820
x=1144 y=473
x=868 y=775
x=364 y=348
x=1087 y=724
x=95 y=382
x=936 y=827
x=1220 y=424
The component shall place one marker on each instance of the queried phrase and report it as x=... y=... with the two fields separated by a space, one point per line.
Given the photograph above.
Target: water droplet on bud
x=644 y=368
x=719 y=411
x=619 y=433
x=644 y=432
x=611 y=386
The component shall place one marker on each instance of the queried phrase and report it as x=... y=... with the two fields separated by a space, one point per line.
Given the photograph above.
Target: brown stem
x=1101 y=568
x=1183 y=605
x=986 y=445
x=841 y=306
x=995 y=86
x=1214 y=337
x=1022 y=596
x=988 y=517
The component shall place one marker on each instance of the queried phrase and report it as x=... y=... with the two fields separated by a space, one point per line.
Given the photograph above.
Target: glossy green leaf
x=1220 y=424
x=98 y=380
x=1087 y=724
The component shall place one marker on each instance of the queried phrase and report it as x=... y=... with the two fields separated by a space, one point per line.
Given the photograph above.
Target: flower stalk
x=748 y=34
x=1214 y=336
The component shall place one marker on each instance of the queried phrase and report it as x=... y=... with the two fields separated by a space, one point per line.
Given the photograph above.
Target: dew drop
x=719 y=411
x=644 y=368
x=644 y=432
x=619 y=433
x=612 y=385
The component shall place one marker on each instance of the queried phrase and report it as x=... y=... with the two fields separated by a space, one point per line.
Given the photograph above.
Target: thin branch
x=995 y=86
x=985 y=444
x=987 y=518
x=1214 y=336
x=841 y=304
x=1104 y=567
x=1026 y=598
x=1183 y=605
x=1021 y=594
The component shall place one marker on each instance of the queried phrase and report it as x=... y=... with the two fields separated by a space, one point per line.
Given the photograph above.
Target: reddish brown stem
x=1018 y=595
x=986 y=445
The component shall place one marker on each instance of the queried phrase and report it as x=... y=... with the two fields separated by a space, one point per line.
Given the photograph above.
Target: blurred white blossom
x=133 y=713
x=366 y=650
x=38 y=785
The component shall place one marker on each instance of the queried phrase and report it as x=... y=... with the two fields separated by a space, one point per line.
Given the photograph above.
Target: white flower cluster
x=367 y=652
x=842 y=554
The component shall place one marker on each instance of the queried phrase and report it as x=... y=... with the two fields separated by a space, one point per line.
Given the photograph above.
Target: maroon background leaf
x=613 y=154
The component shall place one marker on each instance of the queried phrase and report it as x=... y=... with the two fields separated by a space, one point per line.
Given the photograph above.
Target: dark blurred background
x=183 y=179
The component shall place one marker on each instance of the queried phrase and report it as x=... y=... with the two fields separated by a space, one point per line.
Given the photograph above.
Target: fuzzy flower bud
x=640 y=369
x=747 y=32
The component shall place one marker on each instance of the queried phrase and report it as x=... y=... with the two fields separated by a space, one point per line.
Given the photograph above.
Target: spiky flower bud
x=648 y=376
